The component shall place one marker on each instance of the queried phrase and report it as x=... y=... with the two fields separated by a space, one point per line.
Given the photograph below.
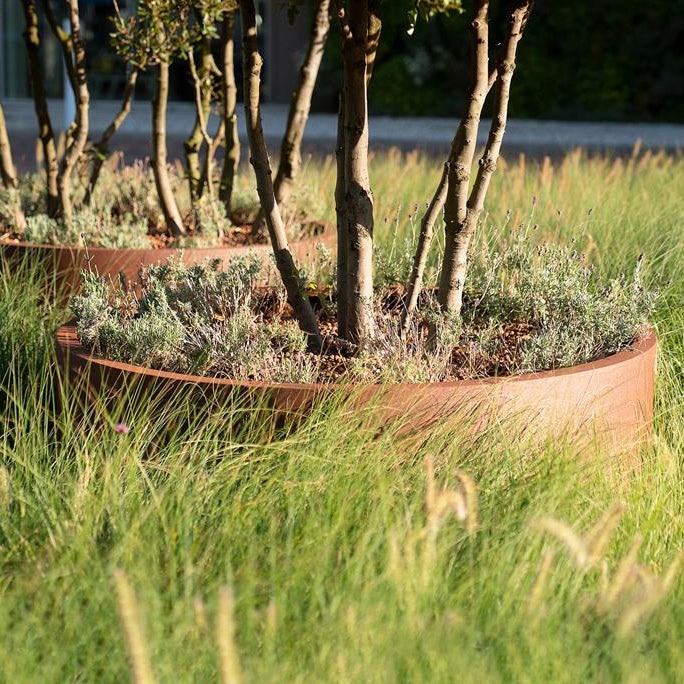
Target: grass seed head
x=130 y=620
x=225 y=637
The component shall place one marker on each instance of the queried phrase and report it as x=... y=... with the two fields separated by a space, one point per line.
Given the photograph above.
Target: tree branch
x=65 y=43
x=460 y=228
x=199 y=106
x=102 y=147
x=260 y=161
x=344 y=23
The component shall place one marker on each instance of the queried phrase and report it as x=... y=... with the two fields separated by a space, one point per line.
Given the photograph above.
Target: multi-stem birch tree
x=205 y=17
x=164 y=30
x=462 y=208
x=360 y=23
x=100 y=149
x=74 y=57
x=74 y=54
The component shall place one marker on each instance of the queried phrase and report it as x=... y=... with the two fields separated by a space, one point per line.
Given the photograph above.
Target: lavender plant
x=198 y=320
x=525 y=309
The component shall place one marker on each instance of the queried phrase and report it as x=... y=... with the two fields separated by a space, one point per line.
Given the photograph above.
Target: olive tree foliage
x=152 y=37
x=212 y=20
x=426 y=9
x=360 y=23
x=160 y=32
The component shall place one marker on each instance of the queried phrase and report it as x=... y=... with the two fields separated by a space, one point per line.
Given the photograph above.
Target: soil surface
x=336 y=359
x=240 y=234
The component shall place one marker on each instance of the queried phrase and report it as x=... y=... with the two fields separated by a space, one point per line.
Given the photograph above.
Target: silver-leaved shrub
x=198 y=319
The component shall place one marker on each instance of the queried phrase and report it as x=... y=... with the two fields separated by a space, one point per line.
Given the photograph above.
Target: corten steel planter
x=610 y=400
x=66 y=262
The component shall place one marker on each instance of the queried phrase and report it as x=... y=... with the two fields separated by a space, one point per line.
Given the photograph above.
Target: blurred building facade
x=282 y=45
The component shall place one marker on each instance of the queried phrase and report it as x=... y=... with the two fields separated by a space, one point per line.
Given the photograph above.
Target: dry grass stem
x=82 y=485
x=636 y=611
x=623 y=575
x=5 y=489
x=572 y=541
x=225 y=637
x=130 y=620
x=540 y=581
x=462 y=502
x=598 y=536
x=200 y=614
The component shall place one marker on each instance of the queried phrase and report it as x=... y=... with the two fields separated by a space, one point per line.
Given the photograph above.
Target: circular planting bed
x=610 y=400
x=68 y=261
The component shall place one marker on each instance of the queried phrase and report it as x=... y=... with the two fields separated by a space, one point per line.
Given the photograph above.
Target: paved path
x=536 y=138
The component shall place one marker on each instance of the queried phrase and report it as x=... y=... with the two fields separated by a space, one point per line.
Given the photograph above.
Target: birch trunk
x=82 y=96
x=262 y=171
x=174 y=222
x=8 y=172
x=47 y=138
x=461 y=160
x=207 y=175
x=102 y=147
x=427 y=231
x=291 y=146
x=65 y=42
x=460 y=228
x=7 y=168
x=358 y=195
x=193 y=144
x=340 y=212
x=229 y=96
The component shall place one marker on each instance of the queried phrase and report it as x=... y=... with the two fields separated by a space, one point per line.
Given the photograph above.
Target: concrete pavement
x=535 y=138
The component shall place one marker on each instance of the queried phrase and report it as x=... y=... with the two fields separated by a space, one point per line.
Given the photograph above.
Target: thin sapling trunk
x=47 y=138
x=193 y=145
x=80 y=130
x=65 y=42
x=229 y=97
x=427 y=230
x=262 y=171
x=101 y=149
x=8 y=172
x=300 y=105
x=462 y=152
x=174 y=222
x=462 y=211
x=7 y=168
x=341 y=217
x=208 y=173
